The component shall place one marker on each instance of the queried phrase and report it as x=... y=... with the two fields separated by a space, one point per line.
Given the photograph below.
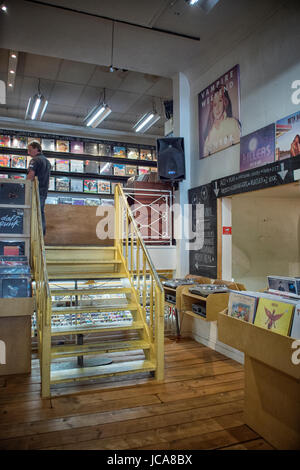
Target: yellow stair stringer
x=150 y=354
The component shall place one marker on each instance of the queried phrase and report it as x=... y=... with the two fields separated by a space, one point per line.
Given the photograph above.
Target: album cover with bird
x=274 y=316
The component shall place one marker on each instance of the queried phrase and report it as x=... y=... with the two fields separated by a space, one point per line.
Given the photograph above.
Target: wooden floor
x=198 y=406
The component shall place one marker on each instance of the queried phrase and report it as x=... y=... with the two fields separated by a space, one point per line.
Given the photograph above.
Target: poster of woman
x=219 y=114
x=288 y=137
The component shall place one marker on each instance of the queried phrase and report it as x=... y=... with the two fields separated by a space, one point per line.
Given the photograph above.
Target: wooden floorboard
x=199 y=405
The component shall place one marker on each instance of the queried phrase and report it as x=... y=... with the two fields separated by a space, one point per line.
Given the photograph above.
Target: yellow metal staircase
x=92 y=301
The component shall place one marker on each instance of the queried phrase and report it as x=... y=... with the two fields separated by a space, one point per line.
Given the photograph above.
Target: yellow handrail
x=127 y=235
x=42 y=291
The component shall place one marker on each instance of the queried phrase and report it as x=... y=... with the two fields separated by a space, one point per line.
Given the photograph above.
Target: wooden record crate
x=272 y=380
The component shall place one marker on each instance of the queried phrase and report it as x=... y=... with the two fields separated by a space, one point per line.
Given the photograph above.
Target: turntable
x=206 y=289
x=174 y=283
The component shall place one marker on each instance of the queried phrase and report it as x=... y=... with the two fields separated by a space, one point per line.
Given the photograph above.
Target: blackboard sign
x=11 y=220
x=203 y=259
x=273 y=174
x=12 y=193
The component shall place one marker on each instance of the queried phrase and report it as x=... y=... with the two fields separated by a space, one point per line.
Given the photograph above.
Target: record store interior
x=149 y=226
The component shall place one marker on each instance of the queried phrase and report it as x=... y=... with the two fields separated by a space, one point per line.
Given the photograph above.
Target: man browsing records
x=39 y=166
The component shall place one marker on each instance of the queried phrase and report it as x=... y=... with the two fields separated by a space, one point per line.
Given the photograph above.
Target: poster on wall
x=219 y=114
x=203 y=259
x=288 y=137
x=258 y=148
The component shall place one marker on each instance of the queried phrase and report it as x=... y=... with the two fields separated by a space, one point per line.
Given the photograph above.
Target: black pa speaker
x=170 y=159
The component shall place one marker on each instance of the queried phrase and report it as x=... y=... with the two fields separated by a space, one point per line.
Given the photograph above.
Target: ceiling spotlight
x=111 y=69
x=146 y=122
x=13 y=56
x=192 y=2
x=12 y=71
x=10 y=84
x=36 y=107
x=3 y=7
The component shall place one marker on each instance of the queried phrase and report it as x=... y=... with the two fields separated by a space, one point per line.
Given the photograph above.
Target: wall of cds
x=80 y=167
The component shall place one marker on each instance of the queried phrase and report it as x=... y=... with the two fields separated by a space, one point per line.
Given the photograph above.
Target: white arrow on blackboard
x=216 y=190
x=282 y=172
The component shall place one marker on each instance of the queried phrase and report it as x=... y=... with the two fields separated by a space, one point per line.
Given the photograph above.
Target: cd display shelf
x=15 y=313
x=272 y=380
x=81 y=157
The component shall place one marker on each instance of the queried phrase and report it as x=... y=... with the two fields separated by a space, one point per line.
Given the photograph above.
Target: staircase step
x=90 y=275
x=98 y=348
x=86 y=373
x=94 y=308
x=93 y=291
x=84 y=262
x=76 y=330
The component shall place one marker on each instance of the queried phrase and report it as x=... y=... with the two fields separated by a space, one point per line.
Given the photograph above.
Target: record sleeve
x=51 y=200
x=274 y=315
x=91 y=148
x=103 y=186
x=76 y=185
x=62 y=165
x=154 y=155
x=242 y=306
x=119 y=170
x=12 y=248
x=51 y=186
x=12 y=193
x=76 y=166
x=295 y=332
x=90 y=186
x=3 y=176
x=5 y=161
x=106 y=168
x=130 y=170
x=62 y=146
x=64 y=200
x=91 y=166
x=143 y=170
x=15 y=286
x=76 y=147
x=19 y=177
x=52 y=163
x=33 y=139
x=18 y=161
x=77 y=201
x=92 y=202
x=11 y=220
x=4 y=141
x=104 y=150
x=119 y=152
x=48 y=144
x=62 y=183
x=19 y=142
x=133 y=152
x=145 y=154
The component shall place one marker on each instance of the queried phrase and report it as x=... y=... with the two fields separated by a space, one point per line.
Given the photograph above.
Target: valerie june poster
x=258 y=148
x=219 y=114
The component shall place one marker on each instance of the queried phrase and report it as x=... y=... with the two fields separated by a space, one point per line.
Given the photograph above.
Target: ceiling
x=73 y=88
x=70 y=44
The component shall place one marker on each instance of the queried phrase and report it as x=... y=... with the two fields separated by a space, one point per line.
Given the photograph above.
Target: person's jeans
x=42 y=202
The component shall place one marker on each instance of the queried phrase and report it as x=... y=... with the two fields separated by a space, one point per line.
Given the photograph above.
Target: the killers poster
x=258 y=148
x=288 y=137
x=219 y=114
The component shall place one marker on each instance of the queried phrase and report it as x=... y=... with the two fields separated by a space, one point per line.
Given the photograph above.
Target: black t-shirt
x=41 y=166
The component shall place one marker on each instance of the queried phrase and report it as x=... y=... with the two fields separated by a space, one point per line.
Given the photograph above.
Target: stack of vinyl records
x=15 y=278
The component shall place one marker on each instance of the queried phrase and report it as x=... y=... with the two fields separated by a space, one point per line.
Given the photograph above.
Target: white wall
x=265 y=239
x=269 y=62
